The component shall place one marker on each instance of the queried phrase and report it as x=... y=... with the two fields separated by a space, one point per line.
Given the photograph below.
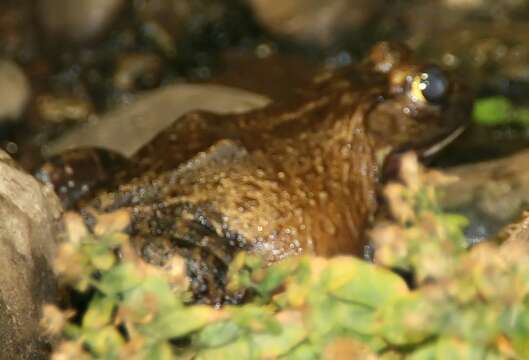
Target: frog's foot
x=195 y=234
x=78 y=174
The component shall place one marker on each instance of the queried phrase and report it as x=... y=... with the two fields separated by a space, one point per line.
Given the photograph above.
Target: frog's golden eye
x=430 y=85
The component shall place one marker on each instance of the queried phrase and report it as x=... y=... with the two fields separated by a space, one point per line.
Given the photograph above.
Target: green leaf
x=160 y=351
x=450 y=348
x=519 y=334
x=521 y=116
x=105 y=343
x=103 y=259
x=492 y=110
x=409 y=319
x=305 y=351
x=240 y=349
x=276 y=275
x=218 y=334
x=153 y=296
x=120 y=278
x=357 y=281
x=331 y=317
x=292 y=333
x=255 y=318
x=480 y=324
x=99 y=313
x=180 y=322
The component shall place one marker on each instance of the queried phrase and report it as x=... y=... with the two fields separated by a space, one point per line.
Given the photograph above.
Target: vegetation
x=499 y=110
x=456 y=303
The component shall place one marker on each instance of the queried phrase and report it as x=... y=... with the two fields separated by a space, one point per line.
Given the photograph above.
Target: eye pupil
x=433 y=84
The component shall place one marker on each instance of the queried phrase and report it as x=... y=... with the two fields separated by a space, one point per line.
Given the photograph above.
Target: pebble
x=314 y=21
x=14 y=90
x=79 y=20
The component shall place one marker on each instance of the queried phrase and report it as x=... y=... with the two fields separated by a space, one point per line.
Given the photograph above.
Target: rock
x=314 y=21
x=126 y=129
x=60 y=109
x=137 y=69
x=14 y=90
x=17 y=30
x=489 y=193
x=79 y=20
x=29 y=225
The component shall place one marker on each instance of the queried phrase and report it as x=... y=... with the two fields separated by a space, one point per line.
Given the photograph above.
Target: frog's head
x=418 y=107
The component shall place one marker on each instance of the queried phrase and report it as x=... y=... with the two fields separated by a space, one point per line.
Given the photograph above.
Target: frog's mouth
x=429 y=152
x=391 y=163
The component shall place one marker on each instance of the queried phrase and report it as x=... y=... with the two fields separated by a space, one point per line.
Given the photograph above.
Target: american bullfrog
x=293 y=178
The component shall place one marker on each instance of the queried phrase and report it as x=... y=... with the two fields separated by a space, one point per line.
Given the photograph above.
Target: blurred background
x=66 y=62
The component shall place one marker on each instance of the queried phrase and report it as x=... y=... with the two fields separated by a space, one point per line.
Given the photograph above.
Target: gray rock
x=14 y=90
x=78 y=20
x=29 y=227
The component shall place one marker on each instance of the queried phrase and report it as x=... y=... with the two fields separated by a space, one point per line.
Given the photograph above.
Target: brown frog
x=290 y=179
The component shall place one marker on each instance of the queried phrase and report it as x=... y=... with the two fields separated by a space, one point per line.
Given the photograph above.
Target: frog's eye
x=430 y=85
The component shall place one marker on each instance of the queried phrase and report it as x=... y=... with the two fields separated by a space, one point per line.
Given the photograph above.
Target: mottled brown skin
x=297 y=178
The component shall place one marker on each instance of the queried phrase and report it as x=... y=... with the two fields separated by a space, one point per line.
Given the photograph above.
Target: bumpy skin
x=291 y=179
x=280 y=191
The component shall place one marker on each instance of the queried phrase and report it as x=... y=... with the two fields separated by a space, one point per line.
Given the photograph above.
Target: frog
x=294 y=178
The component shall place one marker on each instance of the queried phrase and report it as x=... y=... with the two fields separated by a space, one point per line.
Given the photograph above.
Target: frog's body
x=287 y=180
x=277 y=190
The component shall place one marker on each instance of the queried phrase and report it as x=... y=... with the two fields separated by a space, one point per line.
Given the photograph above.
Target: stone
x=79 y=20
x=314 y=21
x=14 y=90
x=29 y=229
